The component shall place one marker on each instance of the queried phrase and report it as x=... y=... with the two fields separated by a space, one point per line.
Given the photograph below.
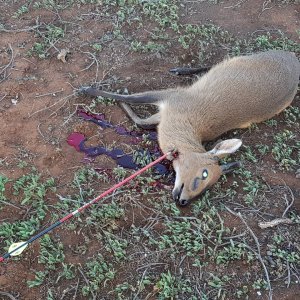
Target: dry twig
x=3 y=97
x=290 y=205
x=76 y=289
x=275 y=222
x=65 y=99
x=95 y=60
x=8 y=203
x=50 y=94
x=258 y=253
x=283 y=219
x=265 y=7
x=87 y=282
x=5 y=67
x=235 y=5
x=19 y=30
x=10 y=296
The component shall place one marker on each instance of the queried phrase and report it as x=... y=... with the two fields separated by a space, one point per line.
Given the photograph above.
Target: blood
x=124 y=160
x=99 y=119
x=74 y=139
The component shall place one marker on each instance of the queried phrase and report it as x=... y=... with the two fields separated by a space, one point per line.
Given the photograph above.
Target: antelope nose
x=176 y=196
x=183 y=202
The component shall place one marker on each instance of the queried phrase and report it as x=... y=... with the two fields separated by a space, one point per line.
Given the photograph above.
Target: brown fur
x=233 y=94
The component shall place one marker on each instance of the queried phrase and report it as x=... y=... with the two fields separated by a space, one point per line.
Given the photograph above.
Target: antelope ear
x=226 y=147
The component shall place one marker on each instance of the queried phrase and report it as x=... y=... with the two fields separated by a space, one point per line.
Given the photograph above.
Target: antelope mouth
x=177 y=193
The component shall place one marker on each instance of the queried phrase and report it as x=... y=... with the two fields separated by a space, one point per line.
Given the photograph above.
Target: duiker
x=233 y=94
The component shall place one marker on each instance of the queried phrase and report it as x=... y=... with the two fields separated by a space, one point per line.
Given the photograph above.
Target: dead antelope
x=233 y=94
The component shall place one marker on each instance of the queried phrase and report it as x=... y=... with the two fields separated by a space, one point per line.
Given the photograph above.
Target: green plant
x=281 y=42
x=284 y=255
x=21 y=10
x=230 y=253
x=97 y=270
x=150 y=46
x=32 y=189
x=105 y=101
x=218 y=283
x=3 y=181
x=292 y=116
x=260 y=284
x=163 y=12
x=68 y=272
x=19 y=229
x=116 y=245
x=121 y=288
x=262 y=149
x=278 y=239
x=142 y=157
x=249 y=155
x=39 y=49
x=242 y=292
x=50 y=253
x=22 y=164
x=97 y=47
x=47 y=38
x=105 y=214
x=119 y=173
x=283 y=149
x=50 y=295
x=252 y=187
x=38 y=280
x=271 y=123
x=169 y=286
x=85 y=180
x=183 y=237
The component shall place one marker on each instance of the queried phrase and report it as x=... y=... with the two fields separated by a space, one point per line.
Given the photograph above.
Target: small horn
x=227 y=168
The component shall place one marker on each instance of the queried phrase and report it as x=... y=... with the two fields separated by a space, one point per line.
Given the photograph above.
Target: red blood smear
x=74 y=139
x=87 y=115
x=77 y=140
x=99 y=119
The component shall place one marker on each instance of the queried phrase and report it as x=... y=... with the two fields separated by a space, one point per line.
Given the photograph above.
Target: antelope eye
x=204 y=174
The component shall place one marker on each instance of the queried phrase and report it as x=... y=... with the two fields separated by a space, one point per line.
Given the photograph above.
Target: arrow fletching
x=17 y=251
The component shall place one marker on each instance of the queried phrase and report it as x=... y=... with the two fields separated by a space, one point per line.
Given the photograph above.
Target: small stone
x=62 y=55
x=14 y=101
